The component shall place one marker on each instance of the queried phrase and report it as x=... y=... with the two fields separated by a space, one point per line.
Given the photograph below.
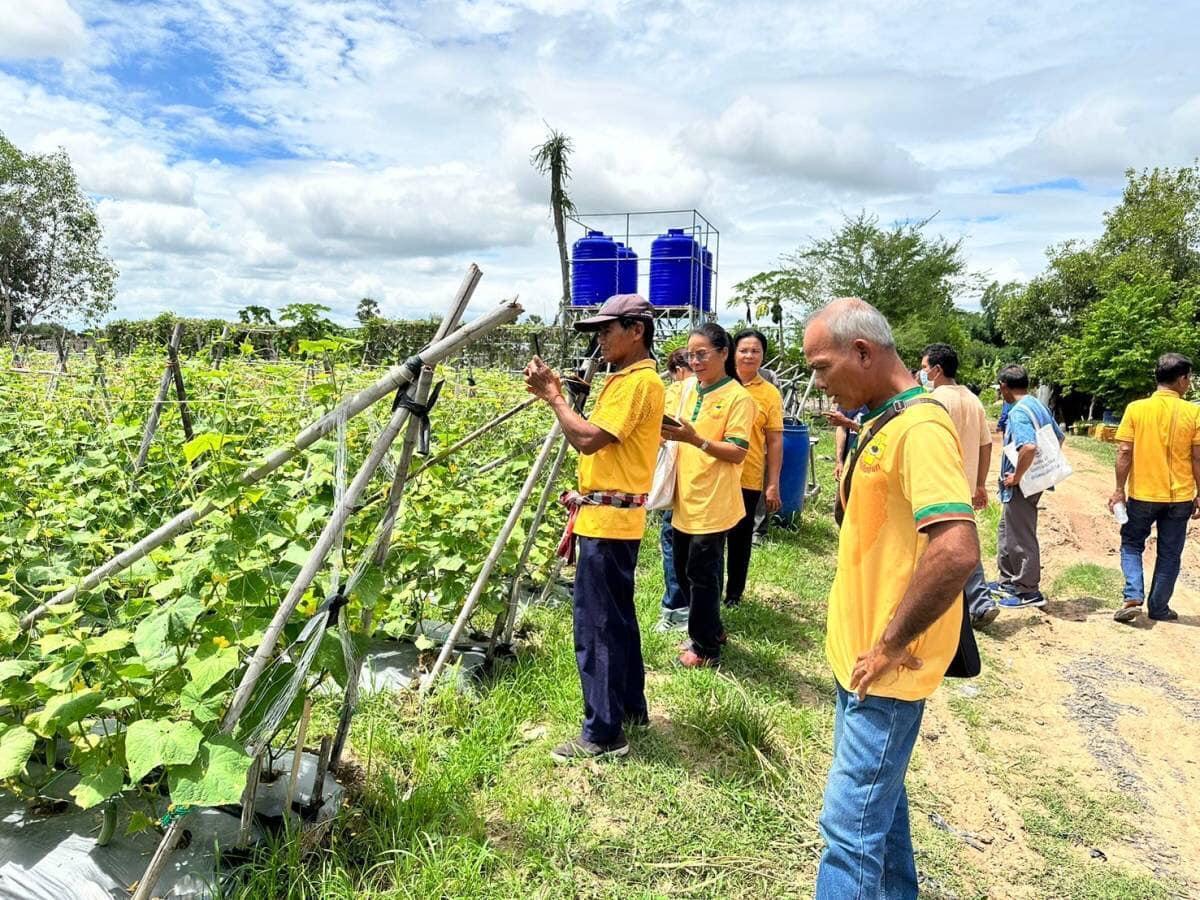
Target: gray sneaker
x=1128 y=612
x=673 y=620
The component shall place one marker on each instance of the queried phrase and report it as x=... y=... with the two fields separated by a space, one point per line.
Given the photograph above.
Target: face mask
x=923 y=377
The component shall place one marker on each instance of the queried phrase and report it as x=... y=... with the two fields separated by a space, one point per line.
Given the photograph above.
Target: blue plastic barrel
x=674 y=269
x=706 y=274
x=627 y=274
x=793 y=477
x=594 y=265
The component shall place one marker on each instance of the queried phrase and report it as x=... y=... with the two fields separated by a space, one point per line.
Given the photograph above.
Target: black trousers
x=608 y=644
x=699 y=560
x=741 y=538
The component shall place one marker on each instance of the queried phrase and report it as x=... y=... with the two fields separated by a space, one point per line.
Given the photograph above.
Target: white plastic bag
x=662 y=489
x=1049 y=467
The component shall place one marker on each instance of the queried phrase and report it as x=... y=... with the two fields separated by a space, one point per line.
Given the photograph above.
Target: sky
x=266 y=152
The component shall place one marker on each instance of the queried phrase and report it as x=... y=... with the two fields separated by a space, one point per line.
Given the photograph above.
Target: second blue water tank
x=627 y=274
x=793 y=475
x=674 y=269
x=594 y=267
x=706 y=279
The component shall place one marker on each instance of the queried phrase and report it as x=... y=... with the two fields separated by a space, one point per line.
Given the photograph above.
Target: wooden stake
x=164 y=385
x=317 y=794
x=185 y=414
x=219 y=349
x=248 y=797
x=298 y=754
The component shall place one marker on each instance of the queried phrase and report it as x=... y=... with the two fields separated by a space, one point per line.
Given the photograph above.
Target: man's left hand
x=685 y=433
x=1196 y=507
x=774 y=504
x=980 y=500
x=1010 y=480
x=877 y=662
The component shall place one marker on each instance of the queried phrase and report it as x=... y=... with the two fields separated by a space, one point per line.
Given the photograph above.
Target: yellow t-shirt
x=769 y=417
x=908 y=477
x=630 y=408
x=1163 y=429
x=708 y=491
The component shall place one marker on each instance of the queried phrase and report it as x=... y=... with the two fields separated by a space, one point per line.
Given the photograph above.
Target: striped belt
x=575 y=501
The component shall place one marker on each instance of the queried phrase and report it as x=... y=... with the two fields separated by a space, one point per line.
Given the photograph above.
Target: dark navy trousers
x=608 y=645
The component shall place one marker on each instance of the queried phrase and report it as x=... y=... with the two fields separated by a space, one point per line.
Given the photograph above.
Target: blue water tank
x=593 y=269
x=627 y=274
x=674 y=269
x=793 y=475
x=706 y=279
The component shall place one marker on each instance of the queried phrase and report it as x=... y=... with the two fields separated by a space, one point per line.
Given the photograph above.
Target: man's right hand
x=980 y=500
x=1117 y=497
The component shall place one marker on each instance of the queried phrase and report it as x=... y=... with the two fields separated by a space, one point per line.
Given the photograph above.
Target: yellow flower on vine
x=221 y=642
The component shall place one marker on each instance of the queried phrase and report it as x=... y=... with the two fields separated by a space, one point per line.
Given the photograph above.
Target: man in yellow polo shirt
x=906 y=547
x=618 y=446
x=1158 y=457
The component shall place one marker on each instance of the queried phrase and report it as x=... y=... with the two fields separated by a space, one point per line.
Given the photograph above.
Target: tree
x=550 y=158
x=768 y=293
x=368 y=309
x=255 y=315
x=911 y=278
x=50 y=241
x=307 y=321
x=1123 y=334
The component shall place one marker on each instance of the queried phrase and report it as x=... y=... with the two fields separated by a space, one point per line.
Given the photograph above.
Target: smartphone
x=671 y=420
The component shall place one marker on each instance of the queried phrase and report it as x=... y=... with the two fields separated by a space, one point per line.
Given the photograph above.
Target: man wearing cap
x=618 y=446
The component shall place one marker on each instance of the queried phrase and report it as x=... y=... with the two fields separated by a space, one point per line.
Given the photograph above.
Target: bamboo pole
x=394 y=378
x=297 y=754
x=248 y=797
x=219 y=349
x=499 y=544
x=317 y=794
x=164 y=385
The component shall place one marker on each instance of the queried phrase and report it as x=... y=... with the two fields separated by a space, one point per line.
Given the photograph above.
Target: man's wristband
x=704 y=446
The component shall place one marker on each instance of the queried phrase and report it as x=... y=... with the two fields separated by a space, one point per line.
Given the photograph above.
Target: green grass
x=1088 y=580
x=1100 y=450
x=719 y=798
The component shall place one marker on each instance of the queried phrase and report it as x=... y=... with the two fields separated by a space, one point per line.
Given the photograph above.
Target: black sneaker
x=580 y=748
x=1169 y=616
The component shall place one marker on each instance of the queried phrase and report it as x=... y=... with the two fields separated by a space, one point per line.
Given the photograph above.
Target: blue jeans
x=673 y=597
x=1172 y=522
x=868 y=847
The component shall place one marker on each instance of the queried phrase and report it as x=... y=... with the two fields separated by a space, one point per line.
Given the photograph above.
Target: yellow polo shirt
x=769 y=417
x=1163 y=429
x=708 y=491
x=630 y=408
x=908 y=477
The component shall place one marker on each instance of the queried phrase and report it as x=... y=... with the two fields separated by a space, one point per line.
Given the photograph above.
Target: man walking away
x=618 y=446
x=906 y=546
x=1158 y=457
x=939 y=369
x=1018 y=555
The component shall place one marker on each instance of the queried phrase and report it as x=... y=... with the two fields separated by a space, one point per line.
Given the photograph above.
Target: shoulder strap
x=843 y=495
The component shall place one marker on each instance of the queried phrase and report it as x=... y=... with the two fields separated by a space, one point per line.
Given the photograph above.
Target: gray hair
x=852 y=319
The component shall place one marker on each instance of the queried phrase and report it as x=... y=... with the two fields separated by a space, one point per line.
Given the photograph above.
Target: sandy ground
x=1117 y=706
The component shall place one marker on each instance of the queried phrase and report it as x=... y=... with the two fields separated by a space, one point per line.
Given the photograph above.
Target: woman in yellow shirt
x=713 y=436
x=764 y=456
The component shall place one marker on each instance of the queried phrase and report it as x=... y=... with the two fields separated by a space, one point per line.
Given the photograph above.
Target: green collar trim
x=902 y=397
x=712 y=387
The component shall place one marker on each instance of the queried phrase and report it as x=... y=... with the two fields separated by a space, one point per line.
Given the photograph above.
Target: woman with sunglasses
x=713 y=435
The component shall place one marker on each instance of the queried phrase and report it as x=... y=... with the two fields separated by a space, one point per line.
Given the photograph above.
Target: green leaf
x=249 y=587
x=209 y=666
x=64 y=710
x=107 y=642
x=159 y=742
x=12 y=668
x=370 y=587
x=10 y=628
x=138 y=822
x=16 y=746
x=423 y=642
x=206 y=443
x=165 y=588
x=93 y=789
x=216 y=777
x=156 y=634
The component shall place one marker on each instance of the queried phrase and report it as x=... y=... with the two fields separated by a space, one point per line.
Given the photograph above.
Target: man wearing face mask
x=939 y=367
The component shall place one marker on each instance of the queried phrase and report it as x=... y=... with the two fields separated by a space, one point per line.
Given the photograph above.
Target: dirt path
x=1073 y=696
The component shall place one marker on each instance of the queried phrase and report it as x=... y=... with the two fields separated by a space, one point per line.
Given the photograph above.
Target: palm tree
x=550 y=158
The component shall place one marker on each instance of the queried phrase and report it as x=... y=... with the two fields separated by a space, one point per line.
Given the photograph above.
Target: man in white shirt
x=939 y=367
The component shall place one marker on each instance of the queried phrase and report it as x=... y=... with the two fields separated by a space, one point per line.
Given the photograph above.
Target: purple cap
x=618 y=306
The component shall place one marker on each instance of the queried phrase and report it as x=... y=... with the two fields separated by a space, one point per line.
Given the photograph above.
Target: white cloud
x=109 y=167
x=39 y=29
x=139 y=226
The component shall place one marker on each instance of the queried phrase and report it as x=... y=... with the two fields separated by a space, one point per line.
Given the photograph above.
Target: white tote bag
x=662 y=489
x=1049 y=467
